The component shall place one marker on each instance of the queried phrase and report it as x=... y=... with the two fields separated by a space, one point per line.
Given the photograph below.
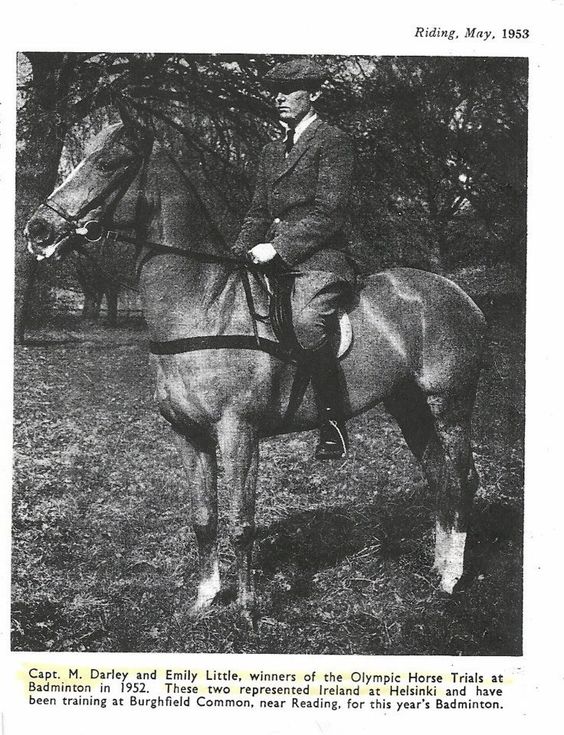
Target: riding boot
x=333 y=438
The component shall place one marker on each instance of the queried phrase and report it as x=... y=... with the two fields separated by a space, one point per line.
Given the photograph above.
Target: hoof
x=447 y=580
x=208 y=592
x=203 y=603
x=448 y=583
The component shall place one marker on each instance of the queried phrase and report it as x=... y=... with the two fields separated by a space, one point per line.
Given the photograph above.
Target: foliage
x=441 y=142
x=441 y=145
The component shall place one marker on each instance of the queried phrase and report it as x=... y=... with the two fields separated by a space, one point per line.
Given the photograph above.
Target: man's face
x=294 y=106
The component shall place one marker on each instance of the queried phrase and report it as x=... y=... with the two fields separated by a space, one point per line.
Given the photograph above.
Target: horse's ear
x=136 y=123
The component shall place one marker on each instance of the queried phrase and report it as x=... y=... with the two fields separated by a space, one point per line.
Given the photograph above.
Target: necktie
x=289 y=140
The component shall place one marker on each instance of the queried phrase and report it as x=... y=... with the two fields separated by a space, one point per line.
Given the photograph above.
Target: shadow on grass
x=329 y=580
x=495 y=526
x=313 y=540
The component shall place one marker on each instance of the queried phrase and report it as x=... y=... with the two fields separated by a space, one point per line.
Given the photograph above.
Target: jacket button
x=277 y=221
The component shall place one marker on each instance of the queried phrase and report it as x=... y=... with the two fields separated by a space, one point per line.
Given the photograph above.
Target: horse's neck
x=184 y=298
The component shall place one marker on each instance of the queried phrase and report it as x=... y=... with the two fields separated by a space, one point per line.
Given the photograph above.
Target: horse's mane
x=182 y=176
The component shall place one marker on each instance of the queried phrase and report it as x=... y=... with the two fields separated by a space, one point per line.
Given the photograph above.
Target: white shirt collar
x=304 y=123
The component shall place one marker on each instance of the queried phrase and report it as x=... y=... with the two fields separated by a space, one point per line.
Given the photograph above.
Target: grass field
x=104 y=558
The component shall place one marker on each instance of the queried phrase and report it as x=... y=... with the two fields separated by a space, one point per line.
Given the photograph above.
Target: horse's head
x=93 y=188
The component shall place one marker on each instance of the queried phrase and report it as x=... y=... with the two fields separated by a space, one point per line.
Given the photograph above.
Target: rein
x=158 y=247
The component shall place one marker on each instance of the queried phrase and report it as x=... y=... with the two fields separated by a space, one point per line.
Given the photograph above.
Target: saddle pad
x=345 y=333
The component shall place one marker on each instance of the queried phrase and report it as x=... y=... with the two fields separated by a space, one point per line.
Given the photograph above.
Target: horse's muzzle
x=43 y=240
x=39 y=232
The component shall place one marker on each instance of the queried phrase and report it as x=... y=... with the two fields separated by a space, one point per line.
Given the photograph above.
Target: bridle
x=94 y=230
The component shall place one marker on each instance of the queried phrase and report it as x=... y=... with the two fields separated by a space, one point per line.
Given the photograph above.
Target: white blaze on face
x=51 y=249
x=70 y=177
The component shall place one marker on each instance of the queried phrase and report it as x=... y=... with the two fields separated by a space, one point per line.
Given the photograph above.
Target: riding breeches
x=316 y=296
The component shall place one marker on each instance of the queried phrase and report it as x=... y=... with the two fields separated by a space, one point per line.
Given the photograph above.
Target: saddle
x=280 y=316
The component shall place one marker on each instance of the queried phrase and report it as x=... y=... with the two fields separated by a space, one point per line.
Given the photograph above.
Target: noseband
x=90 y=230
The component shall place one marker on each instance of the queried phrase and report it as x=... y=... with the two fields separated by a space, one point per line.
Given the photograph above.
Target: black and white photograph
x=281 y=397
x=320 y=256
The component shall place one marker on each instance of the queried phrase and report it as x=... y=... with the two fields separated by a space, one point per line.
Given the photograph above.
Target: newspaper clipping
x=276 y=275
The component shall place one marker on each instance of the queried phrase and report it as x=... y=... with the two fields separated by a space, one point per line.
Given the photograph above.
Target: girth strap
x=222 y=341
x=302 y=377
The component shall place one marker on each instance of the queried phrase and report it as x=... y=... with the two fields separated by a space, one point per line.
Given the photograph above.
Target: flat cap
x=301 y=73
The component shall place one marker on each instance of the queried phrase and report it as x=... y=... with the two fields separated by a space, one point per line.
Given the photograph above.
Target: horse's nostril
x=38 y=230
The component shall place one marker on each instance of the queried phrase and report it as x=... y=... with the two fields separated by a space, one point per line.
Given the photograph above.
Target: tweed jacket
x=301 y=201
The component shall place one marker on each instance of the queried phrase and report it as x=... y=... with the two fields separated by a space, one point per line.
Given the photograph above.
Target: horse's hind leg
x=409 y=408
x=457 y=484
x=437 y=431
x=240 y=452
x=201 y=470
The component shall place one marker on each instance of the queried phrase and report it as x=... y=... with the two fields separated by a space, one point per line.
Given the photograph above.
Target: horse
x=418 y=340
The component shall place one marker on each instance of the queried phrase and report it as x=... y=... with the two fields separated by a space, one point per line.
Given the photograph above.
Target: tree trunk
x=442 y=245
x=112 y=304
x=91 y=308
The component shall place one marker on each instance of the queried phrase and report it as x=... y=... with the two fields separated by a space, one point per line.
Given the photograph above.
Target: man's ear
x=313 y=96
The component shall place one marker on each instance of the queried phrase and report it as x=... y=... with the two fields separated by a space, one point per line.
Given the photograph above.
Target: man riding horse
x=419 y=336
x=294 y=227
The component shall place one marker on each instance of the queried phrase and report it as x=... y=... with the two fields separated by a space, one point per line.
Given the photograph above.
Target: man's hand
x=262 y=253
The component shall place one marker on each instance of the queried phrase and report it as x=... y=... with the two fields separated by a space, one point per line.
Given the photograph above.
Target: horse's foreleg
x=201 y=471
x=457 y=482
x=240 y=452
